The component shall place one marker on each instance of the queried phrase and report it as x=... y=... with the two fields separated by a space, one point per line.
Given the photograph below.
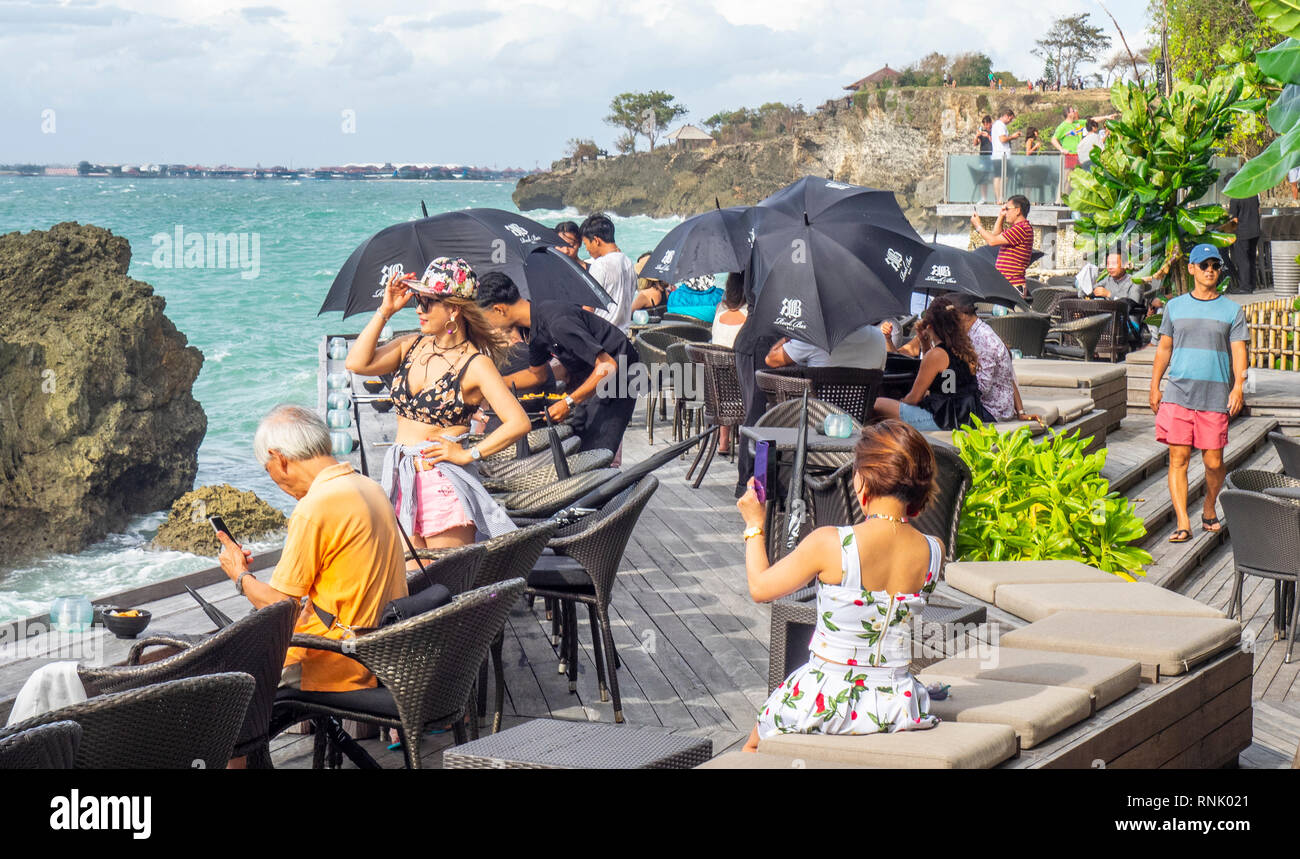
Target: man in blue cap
x=1203 y=347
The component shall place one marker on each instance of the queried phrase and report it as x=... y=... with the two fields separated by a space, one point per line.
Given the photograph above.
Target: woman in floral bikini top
x=438 y=383
x=856 y=680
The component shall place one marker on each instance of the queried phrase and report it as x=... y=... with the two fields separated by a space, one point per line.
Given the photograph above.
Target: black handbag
x=951 y=411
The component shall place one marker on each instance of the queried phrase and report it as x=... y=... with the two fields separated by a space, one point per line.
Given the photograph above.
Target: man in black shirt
x=1245 y=223
x=589 y=349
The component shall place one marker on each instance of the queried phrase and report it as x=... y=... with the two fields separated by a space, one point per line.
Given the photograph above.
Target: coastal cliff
x=97 y=419
x=890 y=138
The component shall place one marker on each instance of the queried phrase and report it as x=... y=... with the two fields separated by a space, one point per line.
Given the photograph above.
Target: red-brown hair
x=893 y=459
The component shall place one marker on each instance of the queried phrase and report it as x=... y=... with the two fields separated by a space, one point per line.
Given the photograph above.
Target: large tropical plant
x=1153 y=168
x=1281 y=62
x=1044 y=499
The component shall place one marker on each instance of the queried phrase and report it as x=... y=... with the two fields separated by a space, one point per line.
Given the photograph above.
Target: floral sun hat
x=447 y=277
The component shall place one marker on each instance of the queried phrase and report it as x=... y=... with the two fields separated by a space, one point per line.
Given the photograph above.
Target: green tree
x=644 y=114
x=1072 y=42
x=579 y=148
x=971 y=69
x=1153 y=167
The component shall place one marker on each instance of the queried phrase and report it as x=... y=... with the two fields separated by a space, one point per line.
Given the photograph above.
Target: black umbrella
x=823 y=200
x=949 y=269
x=990 y=253
x=705 y=244
x=488 y=239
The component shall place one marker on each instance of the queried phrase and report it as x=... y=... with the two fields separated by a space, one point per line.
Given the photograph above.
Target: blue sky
x=501 y=82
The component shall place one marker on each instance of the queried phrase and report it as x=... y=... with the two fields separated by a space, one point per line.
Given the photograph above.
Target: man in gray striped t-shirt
x=1203 y=346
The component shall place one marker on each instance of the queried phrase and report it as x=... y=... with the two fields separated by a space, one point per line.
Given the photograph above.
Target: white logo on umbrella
x=940 y=274
x=899 y=263
x=522 y=234
x=838 y=186
x=666 y=261
x=792 y=308
x=386 y=274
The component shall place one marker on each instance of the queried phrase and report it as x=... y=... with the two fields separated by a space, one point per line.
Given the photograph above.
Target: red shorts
x=1182 y=426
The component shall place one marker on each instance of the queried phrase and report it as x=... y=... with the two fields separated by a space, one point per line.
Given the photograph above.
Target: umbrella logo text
x=523 y=235
x=385 y=275
x=899 y=263
x=940 y=274
x=498 y=251
x=666 y=262
x=798 y=251
x=838 y=186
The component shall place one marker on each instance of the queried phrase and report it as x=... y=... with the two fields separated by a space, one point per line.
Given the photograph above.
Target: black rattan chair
x=179 y=724
x=46 y=747
x=1045 y=299
x=1288 y=450
x=1266 y=543
x=1085 y=332
x=723 y=404
x=1113 y=341
x=544 y=474
x=1253 y=480
x=850 y=389
x=454 y=569
x=512 y=468
x=254 y=645
x=531 y=504
x=581 y=566
x=671 y=320
x=1024 y=331
x=534 y=441
x=427 y=666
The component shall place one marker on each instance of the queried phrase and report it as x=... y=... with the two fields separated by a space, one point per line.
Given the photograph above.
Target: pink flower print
x=853 y=715
x=796 y=688
x=767 y=710
x=907 y=693
x=820 y=702
x=853 y=662
x=860 y=682
x=857 y=602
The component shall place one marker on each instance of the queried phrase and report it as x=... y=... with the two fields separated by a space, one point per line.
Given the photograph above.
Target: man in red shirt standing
x=1014 y=238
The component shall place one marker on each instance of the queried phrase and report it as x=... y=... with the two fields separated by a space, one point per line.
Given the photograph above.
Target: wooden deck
x=694 y=645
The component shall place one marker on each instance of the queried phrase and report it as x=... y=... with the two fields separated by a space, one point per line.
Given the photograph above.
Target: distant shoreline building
x=875 y=79
x=690 y=137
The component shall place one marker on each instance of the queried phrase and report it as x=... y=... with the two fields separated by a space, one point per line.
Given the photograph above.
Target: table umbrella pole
x=797 y=512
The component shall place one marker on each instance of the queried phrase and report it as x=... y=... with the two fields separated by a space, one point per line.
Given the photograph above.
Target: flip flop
x=1212 y=521
x=1185 y=536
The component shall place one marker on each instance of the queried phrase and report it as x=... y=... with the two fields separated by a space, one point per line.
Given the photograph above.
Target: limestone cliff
x=97 y=419
x=187 y=528
x=897 y=139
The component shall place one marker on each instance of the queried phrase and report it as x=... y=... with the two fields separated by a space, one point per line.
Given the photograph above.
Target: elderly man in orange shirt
x=343 y=551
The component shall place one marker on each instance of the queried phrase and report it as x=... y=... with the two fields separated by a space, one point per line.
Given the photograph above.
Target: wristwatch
x=570 y=401
x=239 y=582
x=752 y=531
x=475 y=454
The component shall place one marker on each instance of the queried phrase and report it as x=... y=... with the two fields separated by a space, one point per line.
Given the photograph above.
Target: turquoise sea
x=258 y=335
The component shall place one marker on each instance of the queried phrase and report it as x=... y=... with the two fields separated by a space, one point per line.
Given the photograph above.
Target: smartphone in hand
x=219 y=525
x=760 y=470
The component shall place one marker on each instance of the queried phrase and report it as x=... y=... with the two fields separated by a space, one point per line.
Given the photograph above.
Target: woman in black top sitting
x=946 y=393
x=440 y=378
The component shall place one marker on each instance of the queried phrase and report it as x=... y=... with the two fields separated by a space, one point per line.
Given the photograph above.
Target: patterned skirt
x=829 y=698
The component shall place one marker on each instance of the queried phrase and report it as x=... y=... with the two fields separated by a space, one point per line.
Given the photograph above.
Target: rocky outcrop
x=97 y=421
x=896 y=139
x=187 y=529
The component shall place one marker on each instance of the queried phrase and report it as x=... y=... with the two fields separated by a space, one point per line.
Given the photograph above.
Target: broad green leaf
x=1282 y=15
x=1267 y=168
x=1284 y=112
x=1281 y=62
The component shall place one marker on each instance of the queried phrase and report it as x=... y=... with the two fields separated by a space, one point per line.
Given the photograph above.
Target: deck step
x=1177 y=565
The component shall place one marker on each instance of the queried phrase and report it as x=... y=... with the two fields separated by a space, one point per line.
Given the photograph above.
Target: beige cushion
x=1065 y=374
x=981 y=579
x=761 y=761
x=1172 y=644
x=1037 y=601
x=1034 y=427
x=948 y=745
x=1034 y=711
x=1104 y=679
x=1051 y=414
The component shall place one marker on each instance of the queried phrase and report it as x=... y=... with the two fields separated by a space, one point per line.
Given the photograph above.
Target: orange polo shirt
x=344 y=551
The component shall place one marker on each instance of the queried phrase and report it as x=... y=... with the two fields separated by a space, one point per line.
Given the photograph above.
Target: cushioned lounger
x=1040 y=373
x=1037 y=601
x=1035 y=712
x=761 y=761
x=981 y=579
x=948 y=745
x=1104 y=679
x=1171 y=644
x=1045 y=409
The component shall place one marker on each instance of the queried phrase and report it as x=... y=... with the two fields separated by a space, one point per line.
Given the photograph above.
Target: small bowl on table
x=381 y=405
x=373 y=386
x=125 y=625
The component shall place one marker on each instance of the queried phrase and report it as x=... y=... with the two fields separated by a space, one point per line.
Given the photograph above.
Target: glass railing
x=984 y=179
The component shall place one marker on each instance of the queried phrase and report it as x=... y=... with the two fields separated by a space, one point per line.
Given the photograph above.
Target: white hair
x=296 y=433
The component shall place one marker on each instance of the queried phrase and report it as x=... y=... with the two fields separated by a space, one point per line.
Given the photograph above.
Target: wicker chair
x=179 y=724
x=1024 y=331
x=688 y=405
x=1288 y=450
x=849 y=389
x=653 y=345
x=1113 y=342
x=1086 y=332
x=509 y=556
x=583 y=569
x=833 y=501
x=1045 y=299
x=670 y=319
x=1266 y=543
x=46 y=747
x=514 y=467
x=1253 y=480
x=454 y=569
x=427 y=666
x=723 y=404
x=534 y=441
x=544 y=474
x=254 y=645
x=530 y=504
